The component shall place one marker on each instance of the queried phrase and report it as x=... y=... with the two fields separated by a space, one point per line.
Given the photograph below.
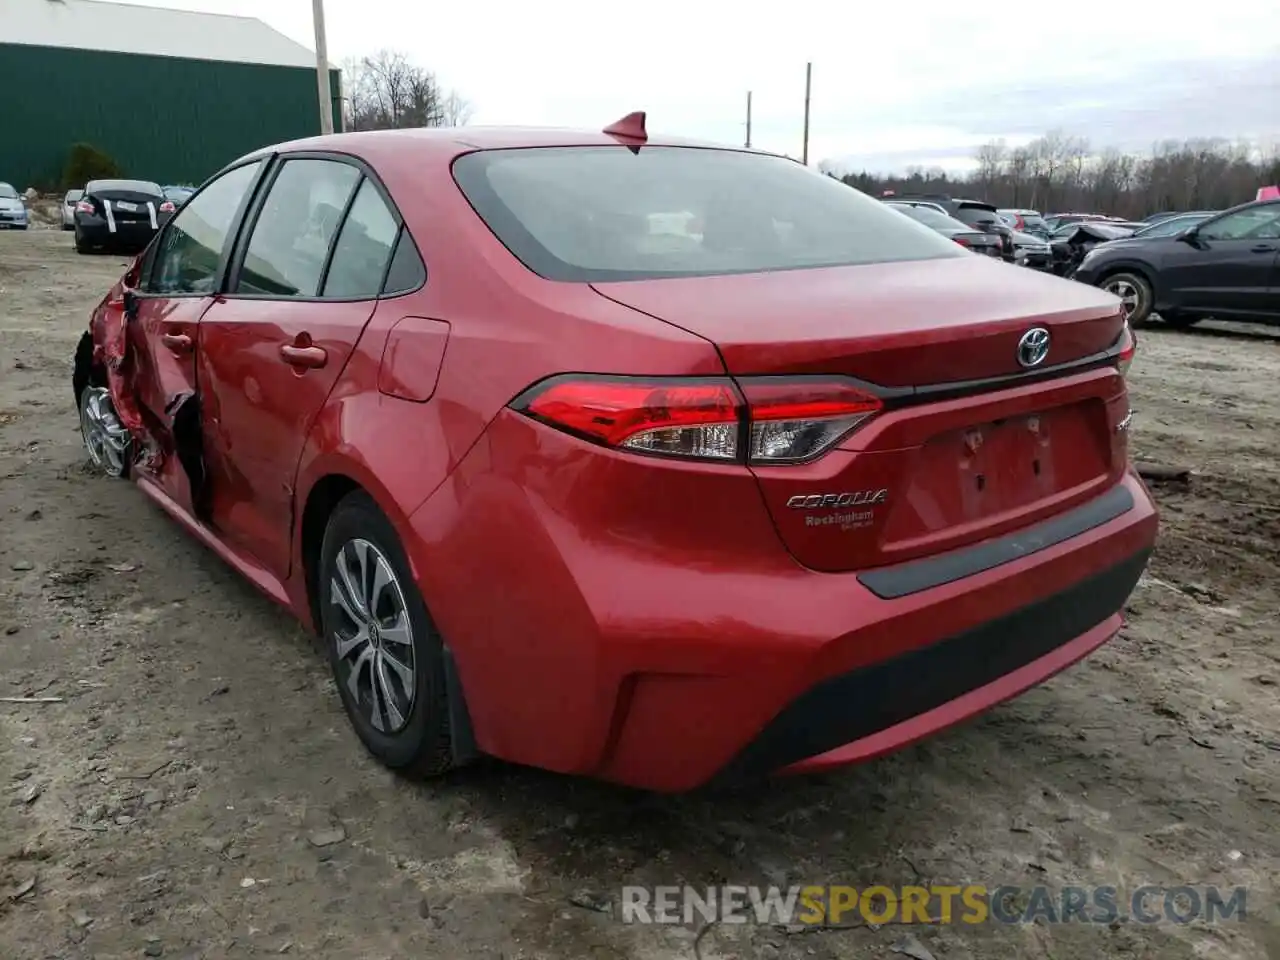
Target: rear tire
x=1135 y=293
x=81 y=245
x=386 y=654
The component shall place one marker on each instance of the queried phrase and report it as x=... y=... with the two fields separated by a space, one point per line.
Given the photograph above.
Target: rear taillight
x=84 y=206
x=759 y=420
x=1128 y=347
x=167 y=207
x=962 y=241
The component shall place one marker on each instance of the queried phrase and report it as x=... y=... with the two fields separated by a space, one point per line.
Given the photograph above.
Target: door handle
x=1262 y=248
x=177 y=342
x=306 y=357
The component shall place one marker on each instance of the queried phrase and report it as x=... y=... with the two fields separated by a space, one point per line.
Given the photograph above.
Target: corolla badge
x=1033 y=347
x=828 y=501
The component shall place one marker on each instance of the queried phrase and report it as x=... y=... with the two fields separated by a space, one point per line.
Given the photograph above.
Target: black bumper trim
x=890 y=583
x=855 y=705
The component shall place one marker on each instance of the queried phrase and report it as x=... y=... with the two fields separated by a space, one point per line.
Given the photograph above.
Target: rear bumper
x=671 y=646
x=879 y=708
x=127 y=233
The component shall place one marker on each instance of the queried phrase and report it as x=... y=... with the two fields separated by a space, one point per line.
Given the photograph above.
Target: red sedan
x=625 y=456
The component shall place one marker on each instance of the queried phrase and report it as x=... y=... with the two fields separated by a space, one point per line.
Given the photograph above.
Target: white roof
x=129 y=28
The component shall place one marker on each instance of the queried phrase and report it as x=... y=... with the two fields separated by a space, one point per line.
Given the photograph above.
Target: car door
x=180 y=273
x=304 y=283
x=1227 y=263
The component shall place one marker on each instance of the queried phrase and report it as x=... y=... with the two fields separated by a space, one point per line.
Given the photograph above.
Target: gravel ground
x=195 y=790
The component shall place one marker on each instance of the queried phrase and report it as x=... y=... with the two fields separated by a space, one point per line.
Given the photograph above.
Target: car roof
x=449 y=142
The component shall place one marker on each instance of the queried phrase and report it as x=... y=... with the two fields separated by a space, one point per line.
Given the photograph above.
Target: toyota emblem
x=1033 y=347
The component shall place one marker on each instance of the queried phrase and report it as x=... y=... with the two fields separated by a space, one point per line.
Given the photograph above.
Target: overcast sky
x=925 y=86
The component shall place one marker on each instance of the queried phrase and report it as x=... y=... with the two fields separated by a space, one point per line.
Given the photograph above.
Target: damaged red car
x=625 y=456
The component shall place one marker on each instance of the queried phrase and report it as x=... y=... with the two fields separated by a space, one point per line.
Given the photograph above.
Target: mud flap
x=188 y=441
x=82 y=371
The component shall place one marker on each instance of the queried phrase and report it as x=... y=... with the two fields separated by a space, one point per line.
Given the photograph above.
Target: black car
x=1226 y=267
x=975 y=214
x=975 y=240
x=120 y=214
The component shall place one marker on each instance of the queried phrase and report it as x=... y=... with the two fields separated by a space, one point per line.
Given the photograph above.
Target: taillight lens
x=167 y=207
x=761 y=420
x=84 y=206
x=962 y=241
x=796 y=420
x=1128 y=347
x=676 y=418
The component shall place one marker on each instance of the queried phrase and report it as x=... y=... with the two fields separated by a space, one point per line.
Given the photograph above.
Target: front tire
x=1135 y=293
x=386 y=654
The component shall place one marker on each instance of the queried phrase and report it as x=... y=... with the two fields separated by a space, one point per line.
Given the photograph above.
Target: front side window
x=363 y=248
x=607 y=213
x=1256 y=223
x=189 y=251
x=295 y=228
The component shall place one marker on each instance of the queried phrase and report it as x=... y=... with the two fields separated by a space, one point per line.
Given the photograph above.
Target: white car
x=69 y=208
x=13 y=212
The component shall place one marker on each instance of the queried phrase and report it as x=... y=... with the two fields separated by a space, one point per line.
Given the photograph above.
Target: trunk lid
x=925 y=475
x=127 y=205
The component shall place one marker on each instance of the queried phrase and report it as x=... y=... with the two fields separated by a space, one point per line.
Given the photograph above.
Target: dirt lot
x=195 y=791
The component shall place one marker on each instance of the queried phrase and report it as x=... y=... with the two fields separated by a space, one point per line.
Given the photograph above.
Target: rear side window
x=607 y=213
x=189 y=252
x=407 y=271
x=291 y=237
x=363 y=248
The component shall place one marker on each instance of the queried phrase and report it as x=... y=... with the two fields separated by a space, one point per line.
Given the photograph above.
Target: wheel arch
x=330 y=487
x=1138 y=267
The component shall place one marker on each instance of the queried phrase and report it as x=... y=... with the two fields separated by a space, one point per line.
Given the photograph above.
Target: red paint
x=618 y=614
x=412 y=358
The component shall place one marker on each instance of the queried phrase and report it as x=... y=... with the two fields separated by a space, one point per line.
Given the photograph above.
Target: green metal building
x=169 y=95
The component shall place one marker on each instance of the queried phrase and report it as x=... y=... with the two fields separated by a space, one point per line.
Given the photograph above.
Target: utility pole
x=808 y=86
x=322 y=68
x=748 y=143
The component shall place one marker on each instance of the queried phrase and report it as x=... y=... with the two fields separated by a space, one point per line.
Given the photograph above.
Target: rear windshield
x=930 y=217
x=124 y=186
x=977 y=215
x=606 y=213
x=1033 y=222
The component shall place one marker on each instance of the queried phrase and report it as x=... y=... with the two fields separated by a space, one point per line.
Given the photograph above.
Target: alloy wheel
x=1129 y=295
x=372 y=636
x=105 y=437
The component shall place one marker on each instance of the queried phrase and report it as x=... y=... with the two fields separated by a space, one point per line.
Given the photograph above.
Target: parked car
x=1172 y=226
x=808 y=481
x=974 y=213
x=1072 y=240
x=13 y=212
x=932 y=217
x=1056 y=221
x=1027 y=221
x=1165 y=215
x=68 y=209
x=178 y=195
x=119 y=214
x=1224 y=267
x=1032 y=251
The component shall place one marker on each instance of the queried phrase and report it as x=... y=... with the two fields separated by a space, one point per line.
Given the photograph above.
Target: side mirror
x=1187 y=236
x=130 y=304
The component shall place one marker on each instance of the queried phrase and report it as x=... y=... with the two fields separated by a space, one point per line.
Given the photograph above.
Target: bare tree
x=386 y=90
x=1060 y=173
